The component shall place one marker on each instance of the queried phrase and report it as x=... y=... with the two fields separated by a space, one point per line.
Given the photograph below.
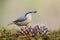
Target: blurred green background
x=48 y=12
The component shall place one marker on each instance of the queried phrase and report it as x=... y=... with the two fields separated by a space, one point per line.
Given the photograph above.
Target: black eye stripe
x=31 y=12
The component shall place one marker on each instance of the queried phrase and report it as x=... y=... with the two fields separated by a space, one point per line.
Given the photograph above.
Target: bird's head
x=30 y=12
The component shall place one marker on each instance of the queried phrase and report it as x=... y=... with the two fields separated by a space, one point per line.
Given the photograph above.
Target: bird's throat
x=29 y=17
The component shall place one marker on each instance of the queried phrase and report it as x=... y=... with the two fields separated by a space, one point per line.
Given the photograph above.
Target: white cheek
x=29 y=16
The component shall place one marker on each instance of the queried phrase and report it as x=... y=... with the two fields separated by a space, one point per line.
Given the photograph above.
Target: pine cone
x=34 y=30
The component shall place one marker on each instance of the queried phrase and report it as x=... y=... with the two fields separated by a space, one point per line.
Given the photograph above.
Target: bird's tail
x=10 y=24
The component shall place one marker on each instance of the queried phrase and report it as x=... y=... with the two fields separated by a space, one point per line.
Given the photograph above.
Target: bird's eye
x=30 y=12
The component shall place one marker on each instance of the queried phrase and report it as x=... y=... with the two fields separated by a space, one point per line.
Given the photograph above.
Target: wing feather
x=20 y=19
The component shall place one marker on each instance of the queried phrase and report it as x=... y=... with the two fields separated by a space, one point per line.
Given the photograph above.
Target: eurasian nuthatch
x=24 y=20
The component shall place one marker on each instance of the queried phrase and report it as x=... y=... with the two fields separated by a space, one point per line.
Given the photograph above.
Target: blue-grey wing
x=20 y=19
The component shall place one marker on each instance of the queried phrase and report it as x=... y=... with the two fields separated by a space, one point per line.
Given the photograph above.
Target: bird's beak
x=34 y=11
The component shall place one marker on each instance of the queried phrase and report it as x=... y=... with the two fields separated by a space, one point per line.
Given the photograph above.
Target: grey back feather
x=20 y=19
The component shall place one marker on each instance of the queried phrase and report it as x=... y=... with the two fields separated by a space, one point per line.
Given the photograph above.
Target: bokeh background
x=48 y=12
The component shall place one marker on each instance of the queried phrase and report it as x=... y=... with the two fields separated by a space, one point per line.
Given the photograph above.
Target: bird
x=24 y=20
